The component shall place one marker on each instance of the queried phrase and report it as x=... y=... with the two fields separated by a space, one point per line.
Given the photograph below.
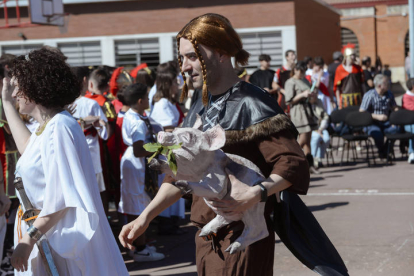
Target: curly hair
x=44 y=78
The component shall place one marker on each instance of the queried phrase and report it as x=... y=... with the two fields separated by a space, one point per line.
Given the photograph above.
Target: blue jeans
x=410 y=129
x=378 y=130
x=319 y=144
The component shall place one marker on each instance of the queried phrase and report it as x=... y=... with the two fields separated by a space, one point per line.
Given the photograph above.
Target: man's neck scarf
x=214 y=108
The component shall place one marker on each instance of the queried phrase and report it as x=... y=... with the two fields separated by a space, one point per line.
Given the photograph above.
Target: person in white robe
x=57 y=173
x=95 y=123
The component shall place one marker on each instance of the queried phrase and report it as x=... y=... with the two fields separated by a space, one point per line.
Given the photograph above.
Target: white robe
x=57 y=173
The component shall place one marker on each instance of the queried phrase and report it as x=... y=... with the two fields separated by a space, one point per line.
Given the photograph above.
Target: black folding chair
x=357 y=121
x=338 y=117
x=400 y=118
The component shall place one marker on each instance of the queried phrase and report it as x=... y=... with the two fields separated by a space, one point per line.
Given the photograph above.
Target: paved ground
x=368 y=213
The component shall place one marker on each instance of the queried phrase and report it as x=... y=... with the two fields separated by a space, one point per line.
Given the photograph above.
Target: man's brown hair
x=214 y=31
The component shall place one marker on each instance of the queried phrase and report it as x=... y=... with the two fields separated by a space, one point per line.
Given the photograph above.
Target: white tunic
x=134 y=199
x=165 y=113
x=57 y=173
x=151 y=95
x=87 y=107
x=32 y=125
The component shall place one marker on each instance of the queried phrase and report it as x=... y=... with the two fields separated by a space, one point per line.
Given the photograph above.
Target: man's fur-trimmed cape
x=265 y=119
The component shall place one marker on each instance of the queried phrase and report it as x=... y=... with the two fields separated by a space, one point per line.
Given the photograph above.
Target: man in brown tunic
x=256 y=129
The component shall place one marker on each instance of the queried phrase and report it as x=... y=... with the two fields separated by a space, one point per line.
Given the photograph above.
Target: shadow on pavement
x=327 y=206
x=334 y=176
x=316 y=186
x=347 y=168
x=316 y=178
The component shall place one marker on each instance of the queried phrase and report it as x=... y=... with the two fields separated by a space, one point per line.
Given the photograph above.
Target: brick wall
x=364 y=29
x=390 y=36
x=155 y=16
x=391 y=32
x=317 y=30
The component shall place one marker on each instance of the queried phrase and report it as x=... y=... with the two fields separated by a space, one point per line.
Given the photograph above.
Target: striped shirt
x=376 y=104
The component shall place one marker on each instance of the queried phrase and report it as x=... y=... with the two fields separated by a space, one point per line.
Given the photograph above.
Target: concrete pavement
x=368 y=213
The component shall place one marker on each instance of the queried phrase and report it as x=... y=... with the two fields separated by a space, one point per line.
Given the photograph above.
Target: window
x=175 y=47
x=18 y=50
x=130 y=53
x=82 y=53
x=263 y=43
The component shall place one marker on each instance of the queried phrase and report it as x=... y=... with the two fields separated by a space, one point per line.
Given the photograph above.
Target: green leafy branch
x=167 y=151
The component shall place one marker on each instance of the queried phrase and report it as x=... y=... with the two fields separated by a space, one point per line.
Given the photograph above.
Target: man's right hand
x=132 y=231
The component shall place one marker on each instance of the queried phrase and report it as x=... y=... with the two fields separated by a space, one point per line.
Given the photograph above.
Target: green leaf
x=152 y=147
x=174 y=146
x=152 y=156
x=164 y=151
x=172 y=162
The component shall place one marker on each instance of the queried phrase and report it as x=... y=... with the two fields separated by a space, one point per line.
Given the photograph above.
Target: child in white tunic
x=57 y=172
x=133 y=197
x=135 y=134
x=84 y=109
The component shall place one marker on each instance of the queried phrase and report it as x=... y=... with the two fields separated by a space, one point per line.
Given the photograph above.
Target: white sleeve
x=139 y=131
x=97 y=111
x=70 y=184
x=164 y=114
x=151 y=96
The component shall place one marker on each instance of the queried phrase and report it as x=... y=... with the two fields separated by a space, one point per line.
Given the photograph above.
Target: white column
x=166 y=48
x=108 y=51
x=51 y=43
x=288 y=39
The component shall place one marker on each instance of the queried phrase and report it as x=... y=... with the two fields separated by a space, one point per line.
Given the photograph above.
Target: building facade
x=379 y=28
x=127 y=33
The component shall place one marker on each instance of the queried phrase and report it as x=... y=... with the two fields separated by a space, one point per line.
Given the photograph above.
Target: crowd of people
x=76 y=135
x=310 y=90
